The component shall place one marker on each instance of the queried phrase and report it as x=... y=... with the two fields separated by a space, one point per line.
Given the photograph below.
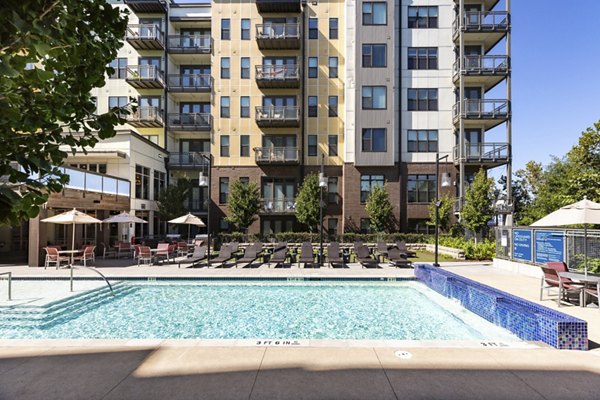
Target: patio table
x=589 y=281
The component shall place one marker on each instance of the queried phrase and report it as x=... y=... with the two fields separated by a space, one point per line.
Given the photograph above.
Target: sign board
x=549 y=246
x=522 y=245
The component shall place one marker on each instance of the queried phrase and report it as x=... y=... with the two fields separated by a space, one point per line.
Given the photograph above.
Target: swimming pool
x=266 y=310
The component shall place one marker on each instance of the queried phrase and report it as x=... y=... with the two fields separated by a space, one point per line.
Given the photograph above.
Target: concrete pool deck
x=156 y=369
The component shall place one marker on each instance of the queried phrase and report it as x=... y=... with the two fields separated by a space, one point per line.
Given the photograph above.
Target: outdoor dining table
x=589 y=281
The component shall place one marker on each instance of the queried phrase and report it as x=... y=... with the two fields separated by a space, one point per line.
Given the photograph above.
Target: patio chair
x=333 y=256
x=164 y=251
x=307 y=255
x=280 y=253
x=401 y=245
x=594 y=292
x=52 y=257
x=106 y=251
x=87 y=256
x=182 y=249
x=197 y=257
x=225 y=254
x=144 y=255
x=382 y=250
x=250 y=255
x=124 y=248
x=364 y=258
x=398 y=258
x=551 y=279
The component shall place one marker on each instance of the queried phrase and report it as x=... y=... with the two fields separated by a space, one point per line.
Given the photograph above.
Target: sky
x=556 y=76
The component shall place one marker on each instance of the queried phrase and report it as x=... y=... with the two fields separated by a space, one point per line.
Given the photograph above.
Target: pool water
x=273 y=310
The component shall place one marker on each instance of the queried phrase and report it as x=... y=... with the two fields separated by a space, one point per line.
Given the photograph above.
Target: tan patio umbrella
x=72 y=217
x=584 y=212
x=189 y=220
x=124 y=218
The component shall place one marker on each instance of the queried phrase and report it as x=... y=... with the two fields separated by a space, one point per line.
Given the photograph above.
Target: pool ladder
x=9 y=274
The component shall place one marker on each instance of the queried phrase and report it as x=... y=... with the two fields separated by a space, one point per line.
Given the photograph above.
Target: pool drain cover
x=405 y=355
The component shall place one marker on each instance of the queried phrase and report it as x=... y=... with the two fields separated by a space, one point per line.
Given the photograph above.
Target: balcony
x=484 y=70
x=178 y=44
x=277 y=76
x=278 y=36
x=147 y=6
x=285 y=205
x=278 y=6
x=191 y=161
x=482 y=27
x=145 y=37
x=190 y=83
x=276 y=155
x=189 y=121
x=488 y=113
x=145 y=77
x=489 y=154
x=273 y=117
x=146 y=117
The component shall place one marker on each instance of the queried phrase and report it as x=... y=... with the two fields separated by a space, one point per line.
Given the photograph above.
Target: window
x=423 y=141
x=373 y=139
x=245 y=29
x=100 y=168
x=332 y=190
x=313 y=67
x=365 y=225
x=245 y=107
x=333 y=67
x=116 y=101
x=374 y=97
x=422 y=100
x=224 y=146
x=244 y=180
x=422 y=58
x=373 y=55
x=225 y=29
x=333 y=106
x=420 y=226
x=367 y=183
x=225 y=107
x=313 y=28
x=244 y=146
x=333 y=28
x=120 y=67
x=159 y=183
x=332 y=145
x=225 y=68
x=421 y=188
x=245 y=64
x=313 y=106
x=422 y=17
x=223 y=190
x=374 y=13
x=142 y=182
x=332 y=224
x=152 y=138
x=312 y=145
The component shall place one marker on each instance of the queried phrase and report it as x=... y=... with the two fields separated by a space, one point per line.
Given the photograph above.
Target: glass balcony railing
x=276 y=155
x=189 y=121
x=478 y=21
x=189 y=44
x=482 y=109
x=145 y=76
x=483 y=152
x=277 y=116
x=189 y=82
x=94 y=182
x=483 y=65
x=137 y=34
x=277 y=72
x=277 y=31
x=192 y=160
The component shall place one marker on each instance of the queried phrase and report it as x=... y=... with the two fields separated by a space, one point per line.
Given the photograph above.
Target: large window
x=244 y=146
x=313 y=106
x=422 y=58
x=225 y=107
x=223 y=190
x=422 y=100
x=245 y=107
x=116 y=101
x=421 y=188
x=225 y=29
x=313 y=141
x=142 y=182
x=367 y=183
x=333 y=28
x=245 y=67
x=120 y=67
x=332 y=145
x=333 y=106
x=373 y=140
x=313 y=28
x=332 y=190
x=159 y=183
x=313 y=67
x=224 y=148
x=374 y=97
x=245 y=29
x=423 y=141
x=373 y=55
x=374 y=13
x=422 y=17
x=225 y=68
x=333 y=67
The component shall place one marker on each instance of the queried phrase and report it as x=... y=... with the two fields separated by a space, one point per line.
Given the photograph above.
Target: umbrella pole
x=188 y=238
x=72 y=248
x=585 y=250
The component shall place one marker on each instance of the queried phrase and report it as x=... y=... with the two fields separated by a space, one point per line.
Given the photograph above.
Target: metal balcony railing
x=191 y=160
x=483 y=65
x=274 y=155
x=483 y=152
x=478 y=21
x=189 y=44
x=144 y=73
x=189 y=121
x=279 y=205
x=189 y=82
x=283 y=114
x=277 y=72
x=277 y=31
x=145 y=32
x=482 y=109
x=146 y=116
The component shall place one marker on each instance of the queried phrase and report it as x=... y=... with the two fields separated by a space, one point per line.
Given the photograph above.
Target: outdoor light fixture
x=446 y=182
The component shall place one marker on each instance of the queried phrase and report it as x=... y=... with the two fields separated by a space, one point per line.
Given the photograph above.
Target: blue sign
x=549 y=246
x=522 y=245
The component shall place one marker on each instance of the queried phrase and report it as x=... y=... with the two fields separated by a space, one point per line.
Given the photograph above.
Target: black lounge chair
x=250 y=255
x=382 y=250
x=333 y=256
x=398 y=258
x=401 y=245
x=364 y=258
x=307 y=255
x=280 y=253
x=197 y=257
x=225 y=254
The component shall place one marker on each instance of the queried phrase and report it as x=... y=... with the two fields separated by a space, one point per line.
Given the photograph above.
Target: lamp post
x=204 y=181
x=445 y=183
x=322 y=184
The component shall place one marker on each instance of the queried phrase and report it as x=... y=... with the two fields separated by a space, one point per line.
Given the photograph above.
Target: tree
x=52 y=54
x=477 y=210
x=171 y=200
x=308 y=200
x=583 y=163
x=244 y=204
x=445 y=212
x=379 y=209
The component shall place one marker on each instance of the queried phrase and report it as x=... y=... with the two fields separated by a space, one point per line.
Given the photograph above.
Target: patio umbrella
x=584 y=212
x=189 y=220
x=124 y=218
x=72 y=217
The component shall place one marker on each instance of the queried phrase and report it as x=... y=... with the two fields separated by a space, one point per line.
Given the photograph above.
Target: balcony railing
x=146 y=117
x=278 y=116
x=98 y=183
x=189 y=160
x=278 y=36
x=483 y=152
x=483 y=65
x=482 y=109
x=145 y=77
x=284 y=76
x=477 y=21
x=190 y=83
x=279 y=205
x=145 y=37
x=189 y=44
x=189 y=121
x=276 y=155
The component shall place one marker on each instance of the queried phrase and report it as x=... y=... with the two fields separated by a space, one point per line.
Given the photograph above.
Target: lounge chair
x=197 y=257
x=225 y=254
x=250 y=255
x=398 y=258
x=280 y=253
x=307 y=255
x=333 y=256
x=551 y=280
x=401 y=245
x=382 y=250
x=364 y=258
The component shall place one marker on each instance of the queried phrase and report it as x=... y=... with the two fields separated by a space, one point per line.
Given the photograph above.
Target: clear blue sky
x=556 y=76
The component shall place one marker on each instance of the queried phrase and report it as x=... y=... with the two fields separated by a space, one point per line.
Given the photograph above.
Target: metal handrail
x=191 y=81
x=146 y=113
x=91 y=269
x=484 y=64
x=277 y=72
x=273 y=154
x=9 y=283
x=189 y=120
x=484 y=151
x=277 y=31
x=145 y=72
x=200 y=42
x=482 y=108
x=267 y=113
x=483 y=21
x=144 y=31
